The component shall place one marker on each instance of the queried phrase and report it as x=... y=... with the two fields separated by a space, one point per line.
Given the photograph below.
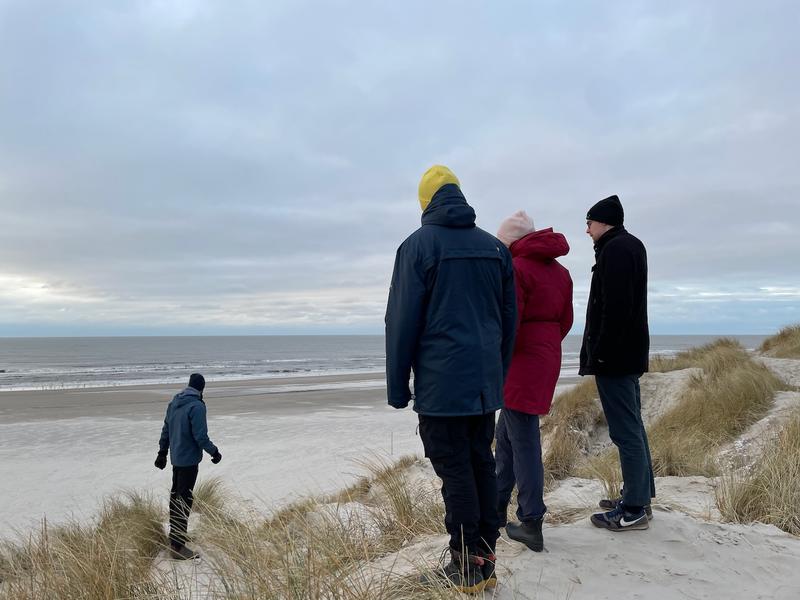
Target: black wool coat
x=616 y=339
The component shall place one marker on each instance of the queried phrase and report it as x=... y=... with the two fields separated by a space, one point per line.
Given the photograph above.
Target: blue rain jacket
x=185 y=431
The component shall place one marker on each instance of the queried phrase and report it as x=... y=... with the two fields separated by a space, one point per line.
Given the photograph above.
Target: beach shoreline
x=276 y=395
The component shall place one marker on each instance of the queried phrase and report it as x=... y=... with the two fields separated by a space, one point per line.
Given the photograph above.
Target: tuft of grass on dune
x=769 y=492
x=784 y=344
x=313 y=549
x=106 y=560
x=733 y=393
x=573 y=413
x=709 y=357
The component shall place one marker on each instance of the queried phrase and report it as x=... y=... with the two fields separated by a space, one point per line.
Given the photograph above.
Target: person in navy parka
x=184 y=436
x=450 y=319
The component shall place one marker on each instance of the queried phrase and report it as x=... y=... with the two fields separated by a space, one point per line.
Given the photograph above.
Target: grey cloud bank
x=243 y=167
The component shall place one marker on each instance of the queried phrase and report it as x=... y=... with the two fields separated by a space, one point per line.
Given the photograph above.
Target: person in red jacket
x=544 y=317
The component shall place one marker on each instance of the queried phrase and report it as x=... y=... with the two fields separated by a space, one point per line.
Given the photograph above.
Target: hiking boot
x=466 y=576
x=612 y=503
x=620 y=519
x=527 y=532
x=182 y=553
x=487 y=570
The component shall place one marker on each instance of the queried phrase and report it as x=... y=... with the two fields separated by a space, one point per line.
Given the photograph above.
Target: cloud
x=253 y=167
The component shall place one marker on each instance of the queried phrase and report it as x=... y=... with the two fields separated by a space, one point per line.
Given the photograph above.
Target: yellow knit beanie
x=432 y=180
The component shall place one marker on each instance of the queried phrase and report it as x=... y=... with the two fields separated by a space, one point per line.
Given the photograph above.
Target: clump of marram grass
x=784 y=344
x=733 y=393
x=106 y=560
x=604 y=467
x=709 y=357
x=324 y=548
x=768 y=492
x=564 y=430
x=313 y=549
x=209 y=494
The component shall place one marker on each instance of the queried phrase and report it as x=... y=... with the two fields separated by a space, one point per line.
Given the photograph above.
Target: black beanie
x=197 y=382
x=608 y=210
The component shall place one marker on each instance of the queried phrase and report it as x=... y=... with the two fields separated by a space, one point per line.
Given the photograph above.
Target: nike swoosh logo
x=624 y=523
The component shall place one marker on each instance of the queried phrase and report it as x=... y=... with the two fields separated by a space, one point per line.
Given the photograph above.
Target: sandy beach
x=281 y=438
x=62 y=452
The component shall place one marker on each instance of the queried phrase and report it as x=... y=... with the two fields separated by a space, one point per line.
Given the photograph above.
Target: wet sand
x=284 y=395
x=280 y=395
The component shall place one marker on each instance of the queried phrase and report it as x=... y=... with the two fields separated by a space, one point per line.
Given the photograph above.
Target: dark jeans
x=460 y=450
x=519 y=461
x=180 y=502
x=622 y=405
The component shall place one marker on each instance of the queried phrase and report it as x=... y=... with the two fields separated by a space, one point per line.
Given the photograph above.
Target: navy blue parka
x=451 y=314
x=185 y=430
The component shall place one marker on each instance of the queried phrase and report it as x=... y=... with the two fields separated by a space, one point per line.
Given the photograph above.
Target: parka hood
x=186 y=396
x=542 y=244
x=449 y=208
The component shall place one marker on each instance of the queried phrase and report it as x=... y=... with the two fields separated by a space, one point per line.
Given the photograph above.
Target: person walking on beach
x=450 y=318
x=544 y=317
x=615 y=349
x=184 y=436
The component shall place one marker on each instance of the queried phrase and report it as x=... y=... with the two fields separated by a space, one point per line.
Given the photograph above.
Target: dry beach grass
x=786 y=344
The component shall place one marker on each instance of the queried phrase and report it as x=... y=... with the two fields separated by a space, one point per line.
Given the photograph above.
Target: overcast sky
x=206 y=167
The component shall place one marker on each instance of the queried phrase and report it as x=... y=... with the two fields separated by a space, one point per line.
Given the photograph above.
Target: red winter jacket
x=544 y=316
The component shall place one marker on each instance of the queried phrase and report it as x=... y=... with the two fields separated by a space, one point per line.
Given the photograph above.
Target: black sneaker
x=464 y=573
x=527 y=532
x=620 y=519
x=182 y=553
x=612 y=503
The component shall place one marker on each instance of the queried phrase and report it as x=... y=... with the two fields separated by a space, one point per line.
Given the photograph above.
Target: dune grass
x=785 y=344
x=314 y=549
x=105 y=560
x=574 y=412
x=733 y=393
x=769 y=492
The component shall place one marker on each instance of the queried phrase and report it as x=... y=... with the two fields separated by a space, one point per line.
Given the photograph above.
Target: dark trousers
x=180 y=502
x=519 y=461
x=622 y=405
x=460 y=450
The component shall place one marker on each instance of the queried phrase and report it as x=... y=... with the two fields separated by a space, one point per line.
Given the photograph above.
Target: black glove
x=161 y=460
x=216 y=457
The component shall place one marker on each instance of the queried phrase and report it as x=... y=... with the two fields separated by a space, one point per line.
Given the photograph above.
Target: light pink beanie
x=515 y=227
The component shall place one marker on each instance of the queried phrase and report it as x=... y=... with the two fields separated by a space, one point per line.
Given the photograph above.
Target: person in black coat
x=615 y=349
x=450 y=319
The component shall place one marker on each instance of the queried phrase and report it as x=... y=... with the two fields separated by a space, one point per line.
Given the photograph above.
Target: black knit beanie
x=197 y=382
x=608 y=210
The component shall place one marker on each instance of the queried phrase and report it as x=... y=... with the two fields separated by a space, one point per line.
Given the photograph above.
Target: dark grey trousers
x=518 y=453
x=622 y=405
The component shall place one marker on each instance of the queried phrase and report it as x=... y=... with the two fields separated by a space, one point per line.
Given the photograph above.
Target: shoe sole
x=472 y=589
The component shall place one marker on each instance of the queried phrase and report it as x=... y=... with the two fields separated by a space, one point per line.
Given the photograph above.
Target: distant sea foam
x=74 y=363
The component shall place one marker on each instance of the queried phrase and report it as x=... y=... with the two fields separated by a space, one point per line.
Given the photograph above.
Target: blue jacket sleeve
x=163 y=442
x=197 y=417
x=509 y=313
x=405 y=311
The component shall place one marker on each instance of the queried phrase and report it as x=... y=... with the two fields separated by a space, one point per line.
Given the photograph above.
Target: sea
x=88 y=362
